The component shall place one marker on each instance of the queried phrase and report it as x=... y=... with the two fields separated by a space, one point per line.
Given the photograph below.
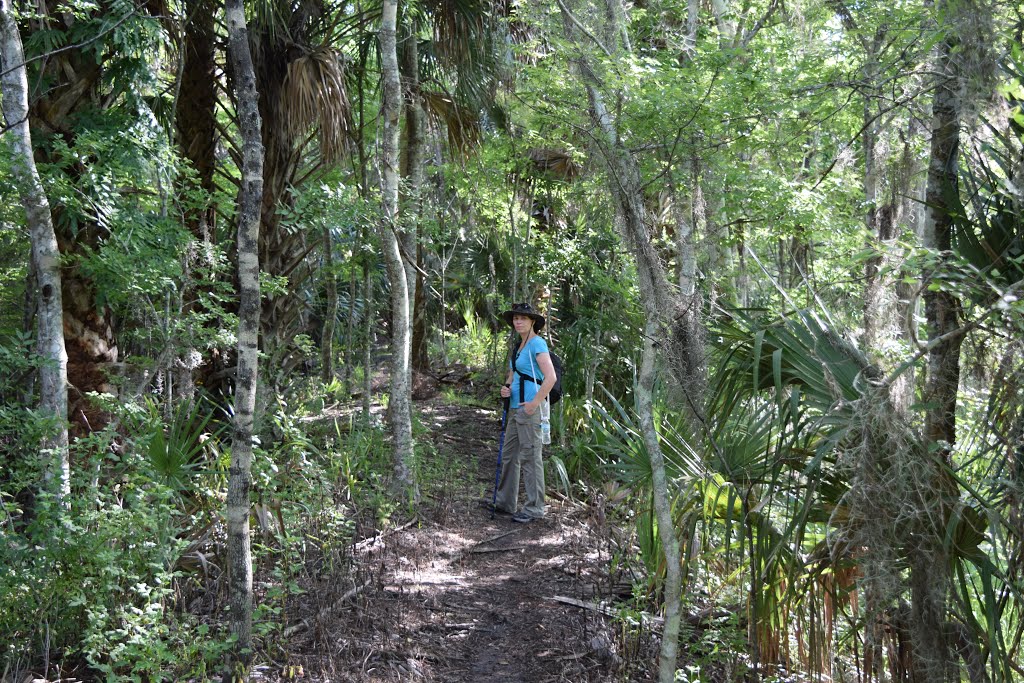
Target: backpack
x=555 y=395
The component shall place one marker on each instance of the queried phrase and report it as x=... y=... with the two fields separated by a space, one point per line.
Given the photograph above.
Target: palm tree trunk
x=195 y=121
x=399 y=405
x=45 y=258
x=240 y=475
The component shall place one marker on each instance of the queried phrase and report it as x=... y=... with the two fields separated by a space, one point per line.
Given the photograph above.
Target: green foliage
x=475 y=344
x=13 y=267
x=22 y=427
x=96 y=583
x=173 y=455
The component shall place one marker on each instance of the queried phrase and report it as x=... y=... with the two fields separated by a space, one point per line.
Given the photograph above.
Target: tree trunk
x=368 y=318
x=662 y=506
x=240 y=474
x=726 y=25
x=74 y=80
x=692 y=23
x=414 y=158
x=686 y=259
x=661 y=307
x=196 y=128
x=331 y=313
x=400 y=397
x=195 y=120
x=45 y=258
x=929 y=578
x=350 y=330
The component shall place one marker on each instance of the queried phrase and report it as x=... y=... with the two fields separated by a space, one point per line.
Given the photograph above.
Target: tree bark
x=195 y=120
x=400 y=396
x=414 y=159
x=240 y=474
x=661 y=308
x=331 y=313
x=929 y=577
x=367 y=334
x=45 y=258
x=350 y=329
x=196 y=128
x=75 y=78
x=662 y=507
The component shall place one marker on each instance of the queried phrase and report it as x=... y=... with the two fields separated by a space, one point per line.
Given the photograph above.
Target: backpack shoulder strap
x=522 y=375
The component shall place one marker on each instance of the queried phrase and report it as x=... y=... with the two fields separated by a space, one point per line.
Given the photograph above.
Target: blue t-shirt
x=527 y=364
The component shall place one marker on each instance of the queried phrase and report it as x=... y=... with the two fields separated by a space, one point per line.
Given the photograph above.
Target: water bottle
x=545 y=422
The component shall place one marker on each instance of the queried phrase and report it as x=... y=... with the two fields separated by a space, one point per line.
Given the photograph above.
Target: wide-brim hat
x=527 y=310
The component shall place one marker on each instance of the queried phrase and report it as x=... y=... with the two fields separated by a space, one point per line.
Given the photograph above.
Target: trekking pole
x=501 y=444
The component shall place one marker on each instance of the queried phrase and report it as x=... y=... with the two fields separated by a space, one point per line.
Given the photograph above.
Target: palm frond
x=461 y=123
x=315 y=97
x=459 y=28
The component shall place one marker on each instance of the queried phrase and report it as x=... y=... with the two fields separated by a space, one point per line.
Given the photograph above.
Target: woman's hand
x=505 y=391
x=531 y=407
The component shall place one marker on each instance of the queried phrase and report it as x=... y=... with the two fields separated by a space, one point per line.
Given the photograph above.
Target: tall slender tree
x=240 y=474
x=660 y=302
x=929 y=560
x=414 y=149
x=77 y=97
x=45 y=255
x=400 y=392
x=196 y=136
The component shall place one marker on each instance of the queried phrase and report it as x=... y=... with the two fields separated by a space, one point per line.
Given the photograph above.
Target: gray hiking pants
x=522 y=450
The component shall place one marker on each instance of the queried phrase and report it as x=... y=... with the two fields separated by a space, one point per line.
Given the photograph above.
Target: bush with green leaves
x=94 y=583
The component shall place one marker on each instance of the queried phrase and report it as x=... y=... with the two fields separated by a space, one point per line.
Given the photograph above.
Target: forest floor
x=455 y=596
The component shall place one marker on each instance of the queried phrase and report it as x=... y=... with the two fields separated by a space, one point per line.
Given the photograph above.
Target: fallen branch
x=494 y=538
x=367 y=542
x=606 y=610
x=351 y=593
x=701 y=619
x=475 y=548
x=477 y=551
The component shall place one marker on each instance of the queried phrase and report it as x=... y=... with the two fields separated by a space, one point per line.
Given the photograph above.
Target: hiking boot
x=523 y=518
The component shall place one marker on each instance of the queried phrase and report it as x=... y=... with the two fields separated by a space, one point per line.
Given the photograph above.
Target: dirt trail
x=461 y=598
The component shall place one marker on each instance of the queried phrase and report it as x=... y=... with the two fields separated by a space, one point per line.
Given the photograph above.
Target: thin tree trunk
x=331 y=315
x=929 y=578
x=368 y=318
x=350 y=331
x=240 y=475
x=660 y=307
x=662 y=507
x=878 y=218
x=45 y=258
x=413 y=161
x=400 y=398
x=369 y=314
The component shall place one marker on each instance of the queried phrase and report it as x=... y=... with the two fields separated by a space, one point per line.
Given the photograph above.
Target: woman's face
x=522 y=323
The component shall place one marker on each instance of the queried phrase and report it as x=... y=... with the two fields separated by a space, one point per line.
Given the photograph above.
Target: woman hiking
x=530 y=378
